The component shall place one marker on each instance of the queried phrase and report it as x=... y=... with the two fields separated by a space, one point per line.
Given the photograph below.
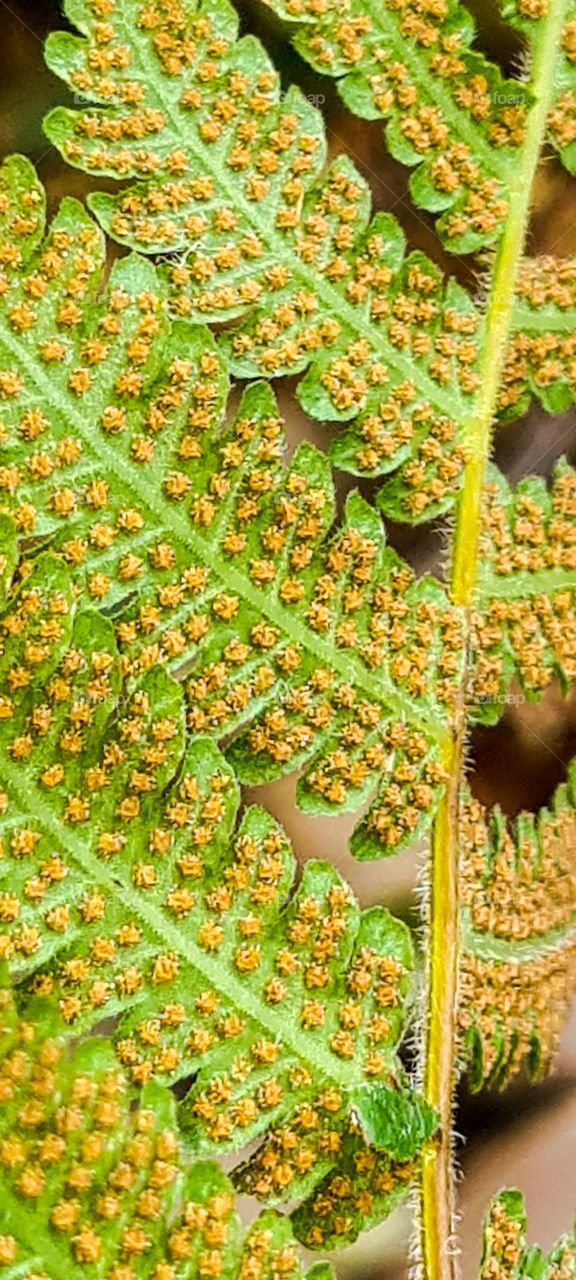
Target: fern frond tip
x=506 y=1252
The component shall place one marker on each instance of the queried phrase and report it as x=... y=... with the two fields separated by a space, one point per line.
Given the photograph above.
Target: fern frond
x=529 y=17
x=364 y=1189
x=231 y=178
x=506 y=1251
x=212 y=556
x=375 y=1168
x=540 y=361
x=306 y=647
x=519 y=935
x=92 y=1186
x=129 y=890
x=562 y=119
x=450 y=116
x=526 y=619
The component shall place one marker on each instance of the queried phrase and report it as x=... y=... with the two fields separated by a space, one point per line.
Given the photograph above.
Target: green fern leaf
x=530 y=16
x=148 y=538
x=540 y=359
x=364 y=1189
x=92 y=1186
x=374 y=1172
x=519 y=935
x=506 y=1252
x=562 y=119
x=129 y=890
x=211 y=556
x=231 y=177
x=526 y=619
x=450 y=116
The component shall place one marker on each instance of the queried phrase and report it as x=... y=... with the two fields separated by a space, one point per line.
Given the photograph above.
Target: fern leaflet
x=231 y=176
x=450 y=116
x=540 y=359
x=207 y=549
x=525 y=624
x=304 y=646
x=286 y=1010
x=506 y=1252
x=519 y=935
x=91 y=1186
x=562 y=119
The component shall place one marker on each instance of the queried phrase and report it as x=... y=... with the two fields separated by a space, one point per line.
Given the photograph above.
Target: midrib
x=336 y=303
x=488 y=946
x=519 y=586
x=547 y=319
x=444 y=937
x=168 y=934
x=347 y=666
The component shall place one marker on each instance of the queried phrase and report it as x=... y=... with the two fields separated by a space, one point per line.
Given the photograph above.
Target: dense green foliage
x=185 y=611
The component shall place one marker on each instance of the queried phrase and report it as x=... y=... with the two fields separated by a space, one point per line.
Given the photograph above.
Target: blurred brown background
x=526 y=1137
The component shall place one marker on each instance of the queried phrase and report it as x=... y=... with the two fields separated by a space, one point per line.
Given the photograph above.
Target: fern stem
x=439 y=1068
